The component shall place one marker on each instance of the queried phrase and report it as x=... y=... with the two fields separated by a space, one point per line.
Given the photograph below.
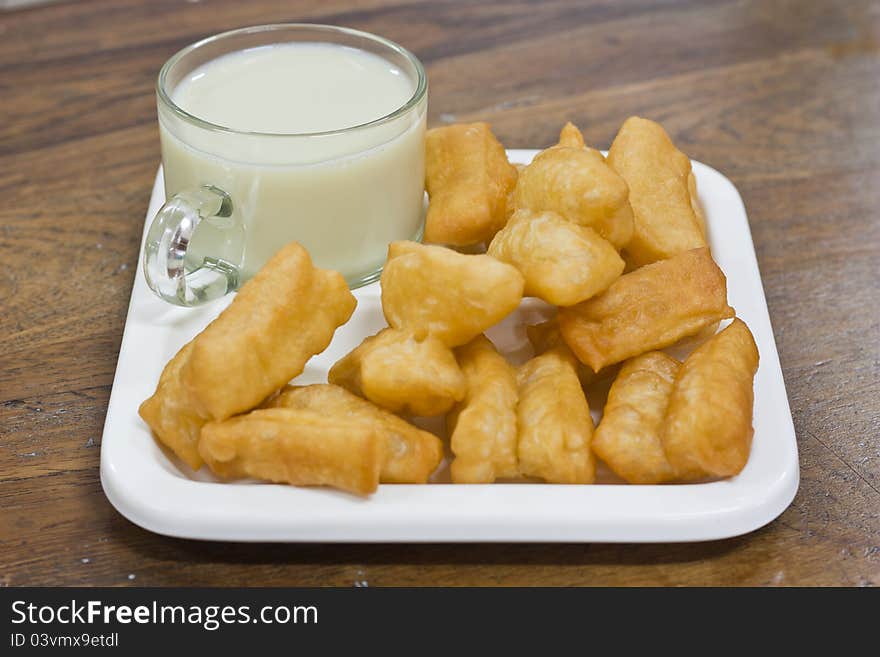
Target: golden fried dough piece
x=432 y=290
x=708 y=428
x=411 y=455
x=662 y=192
x=297 y=447
x=562 y=263
x=468 y=179
x=628 y=436
x=170 y=414
x=576 y=183
x=402 y=373
x=483 y=425
x=650 y=308
x=555 y=427
x=279 y=319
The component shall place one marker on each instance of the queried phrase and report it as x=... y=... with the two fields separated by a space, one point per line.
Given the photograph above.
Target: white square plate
x=159 y=493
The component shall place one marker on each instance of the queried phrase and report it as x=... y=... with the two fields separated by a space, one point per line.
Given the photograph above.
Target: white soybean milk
x=344 y=196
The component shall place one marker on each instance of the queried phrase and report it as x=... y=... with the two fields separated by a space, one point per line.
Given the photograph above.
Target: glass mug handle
x=169 y=238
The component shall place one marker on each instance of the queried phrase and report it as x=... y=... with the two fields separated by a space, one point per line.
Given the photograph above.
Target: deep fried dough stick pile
x=277 y=321
x=572 y=212
x=564 y=228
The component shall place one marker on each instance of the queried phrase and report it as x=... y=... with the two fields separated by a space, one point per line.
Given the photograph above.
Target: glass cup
x=234 y=197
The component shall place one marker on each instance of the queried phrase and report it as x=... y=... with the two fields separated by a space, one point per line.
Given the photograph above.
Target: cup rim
x=415 y=99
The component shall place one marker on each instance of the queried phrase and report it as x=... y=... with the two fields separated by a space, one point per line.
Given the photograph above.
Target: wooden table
x=783 y=97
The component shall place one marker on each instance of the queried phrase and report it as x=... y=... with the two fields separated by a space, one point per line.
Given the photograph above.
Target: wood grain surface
x=783 y=97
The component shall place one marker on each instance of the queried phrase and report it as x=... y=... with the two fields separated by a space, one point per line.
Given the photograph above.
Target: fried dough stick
x=402 y=373
x=484 y=426
x=628 y=436
x=708 y=430
x=468 y=179
x=298 y=447
x=662 y=192
x=432 y=290
x=562 y=263
x=555 y=427
x=650 y=308
x=411 y=455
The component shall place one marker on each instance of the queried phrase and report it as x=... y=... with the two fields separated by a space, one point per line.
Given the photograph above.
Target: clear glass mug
x=234 y=197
